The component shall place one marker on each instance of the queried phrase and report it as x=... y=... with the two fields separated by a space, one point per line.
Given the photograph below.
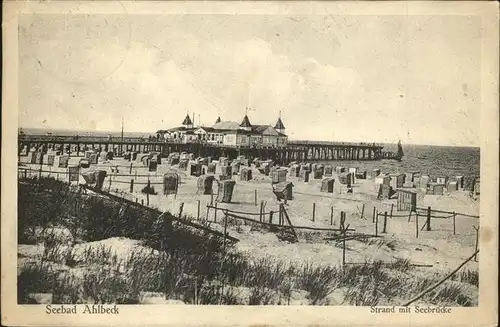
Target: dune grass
x=194 y=266
x=319 y=281
x=467 y=276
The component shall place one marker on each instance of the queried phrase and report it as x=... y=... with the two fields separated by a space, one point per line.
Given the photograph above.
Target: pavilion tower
x=188 y=123
x=245 y=124
x=280 y=127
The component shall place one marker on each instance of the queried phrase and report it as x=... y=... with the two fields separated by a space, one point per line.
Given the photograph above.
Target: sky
x=338 y=78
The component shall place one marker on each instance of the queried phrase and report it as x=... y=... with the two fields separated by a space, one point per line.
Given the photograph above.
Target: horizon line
x=351 y=141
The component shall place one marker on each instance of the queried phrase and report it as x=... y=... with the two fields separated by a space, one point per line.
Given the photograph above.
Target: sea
x=431 y=160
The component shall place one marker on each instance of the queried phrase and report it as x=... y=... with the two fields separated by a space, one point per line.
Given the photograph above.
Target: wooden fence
x=156 y=211
x=429 y=214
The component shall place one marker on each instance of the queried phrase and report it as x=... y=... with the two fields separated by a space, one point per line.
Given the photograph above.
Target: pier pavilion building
x=228 y=133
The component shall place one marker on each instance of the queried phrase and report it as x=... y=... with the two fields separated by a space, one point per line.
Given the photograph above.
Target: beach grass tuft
x=190 y=265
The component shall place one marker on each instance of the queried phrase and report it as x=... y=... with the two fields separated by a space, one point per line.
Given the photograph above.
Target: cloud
x=152 y=93
x=94 y=72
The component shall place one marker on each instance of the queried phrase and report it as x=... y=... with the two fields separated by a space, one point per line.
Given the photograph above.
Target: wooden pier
x=294 y=151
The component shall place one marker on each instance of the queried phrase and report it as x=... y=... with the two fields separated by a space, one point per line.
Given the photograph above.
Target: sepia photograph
x=216 y=158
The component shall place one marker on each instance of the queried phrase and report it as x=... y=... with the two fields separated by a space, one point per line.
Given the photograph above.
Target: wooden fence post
x=416 y=224
x=208 y=210
x=225 y=228
x=314 y=210
x=373 y=218
x=131 y=185
x=215 y=212
x=280 y=215
x=363 y=212
x=130 y=171
x=342 y=219
x=181 y=209
x=477 y=241
x=331 y=216
x=392 y=208
x=285 y=216
x=142 y=202
x=385 y=223
x=167 y=231
x=343 y=246
x=261 y=211
x=198 y=215
x=428 y=218
x=147 y=192
x=409 y=217
x=376 y=224
x=255 y=197
x=271 y=216
x=454 y=226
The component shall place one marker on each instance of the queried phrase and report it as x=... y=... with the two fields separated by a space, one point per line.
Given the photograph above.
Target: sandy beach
x=437 y=249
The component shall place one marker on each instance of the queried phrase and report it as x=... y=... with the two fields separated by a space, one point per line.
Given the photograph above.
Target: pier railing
x=154 y=140
x=336 y=143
